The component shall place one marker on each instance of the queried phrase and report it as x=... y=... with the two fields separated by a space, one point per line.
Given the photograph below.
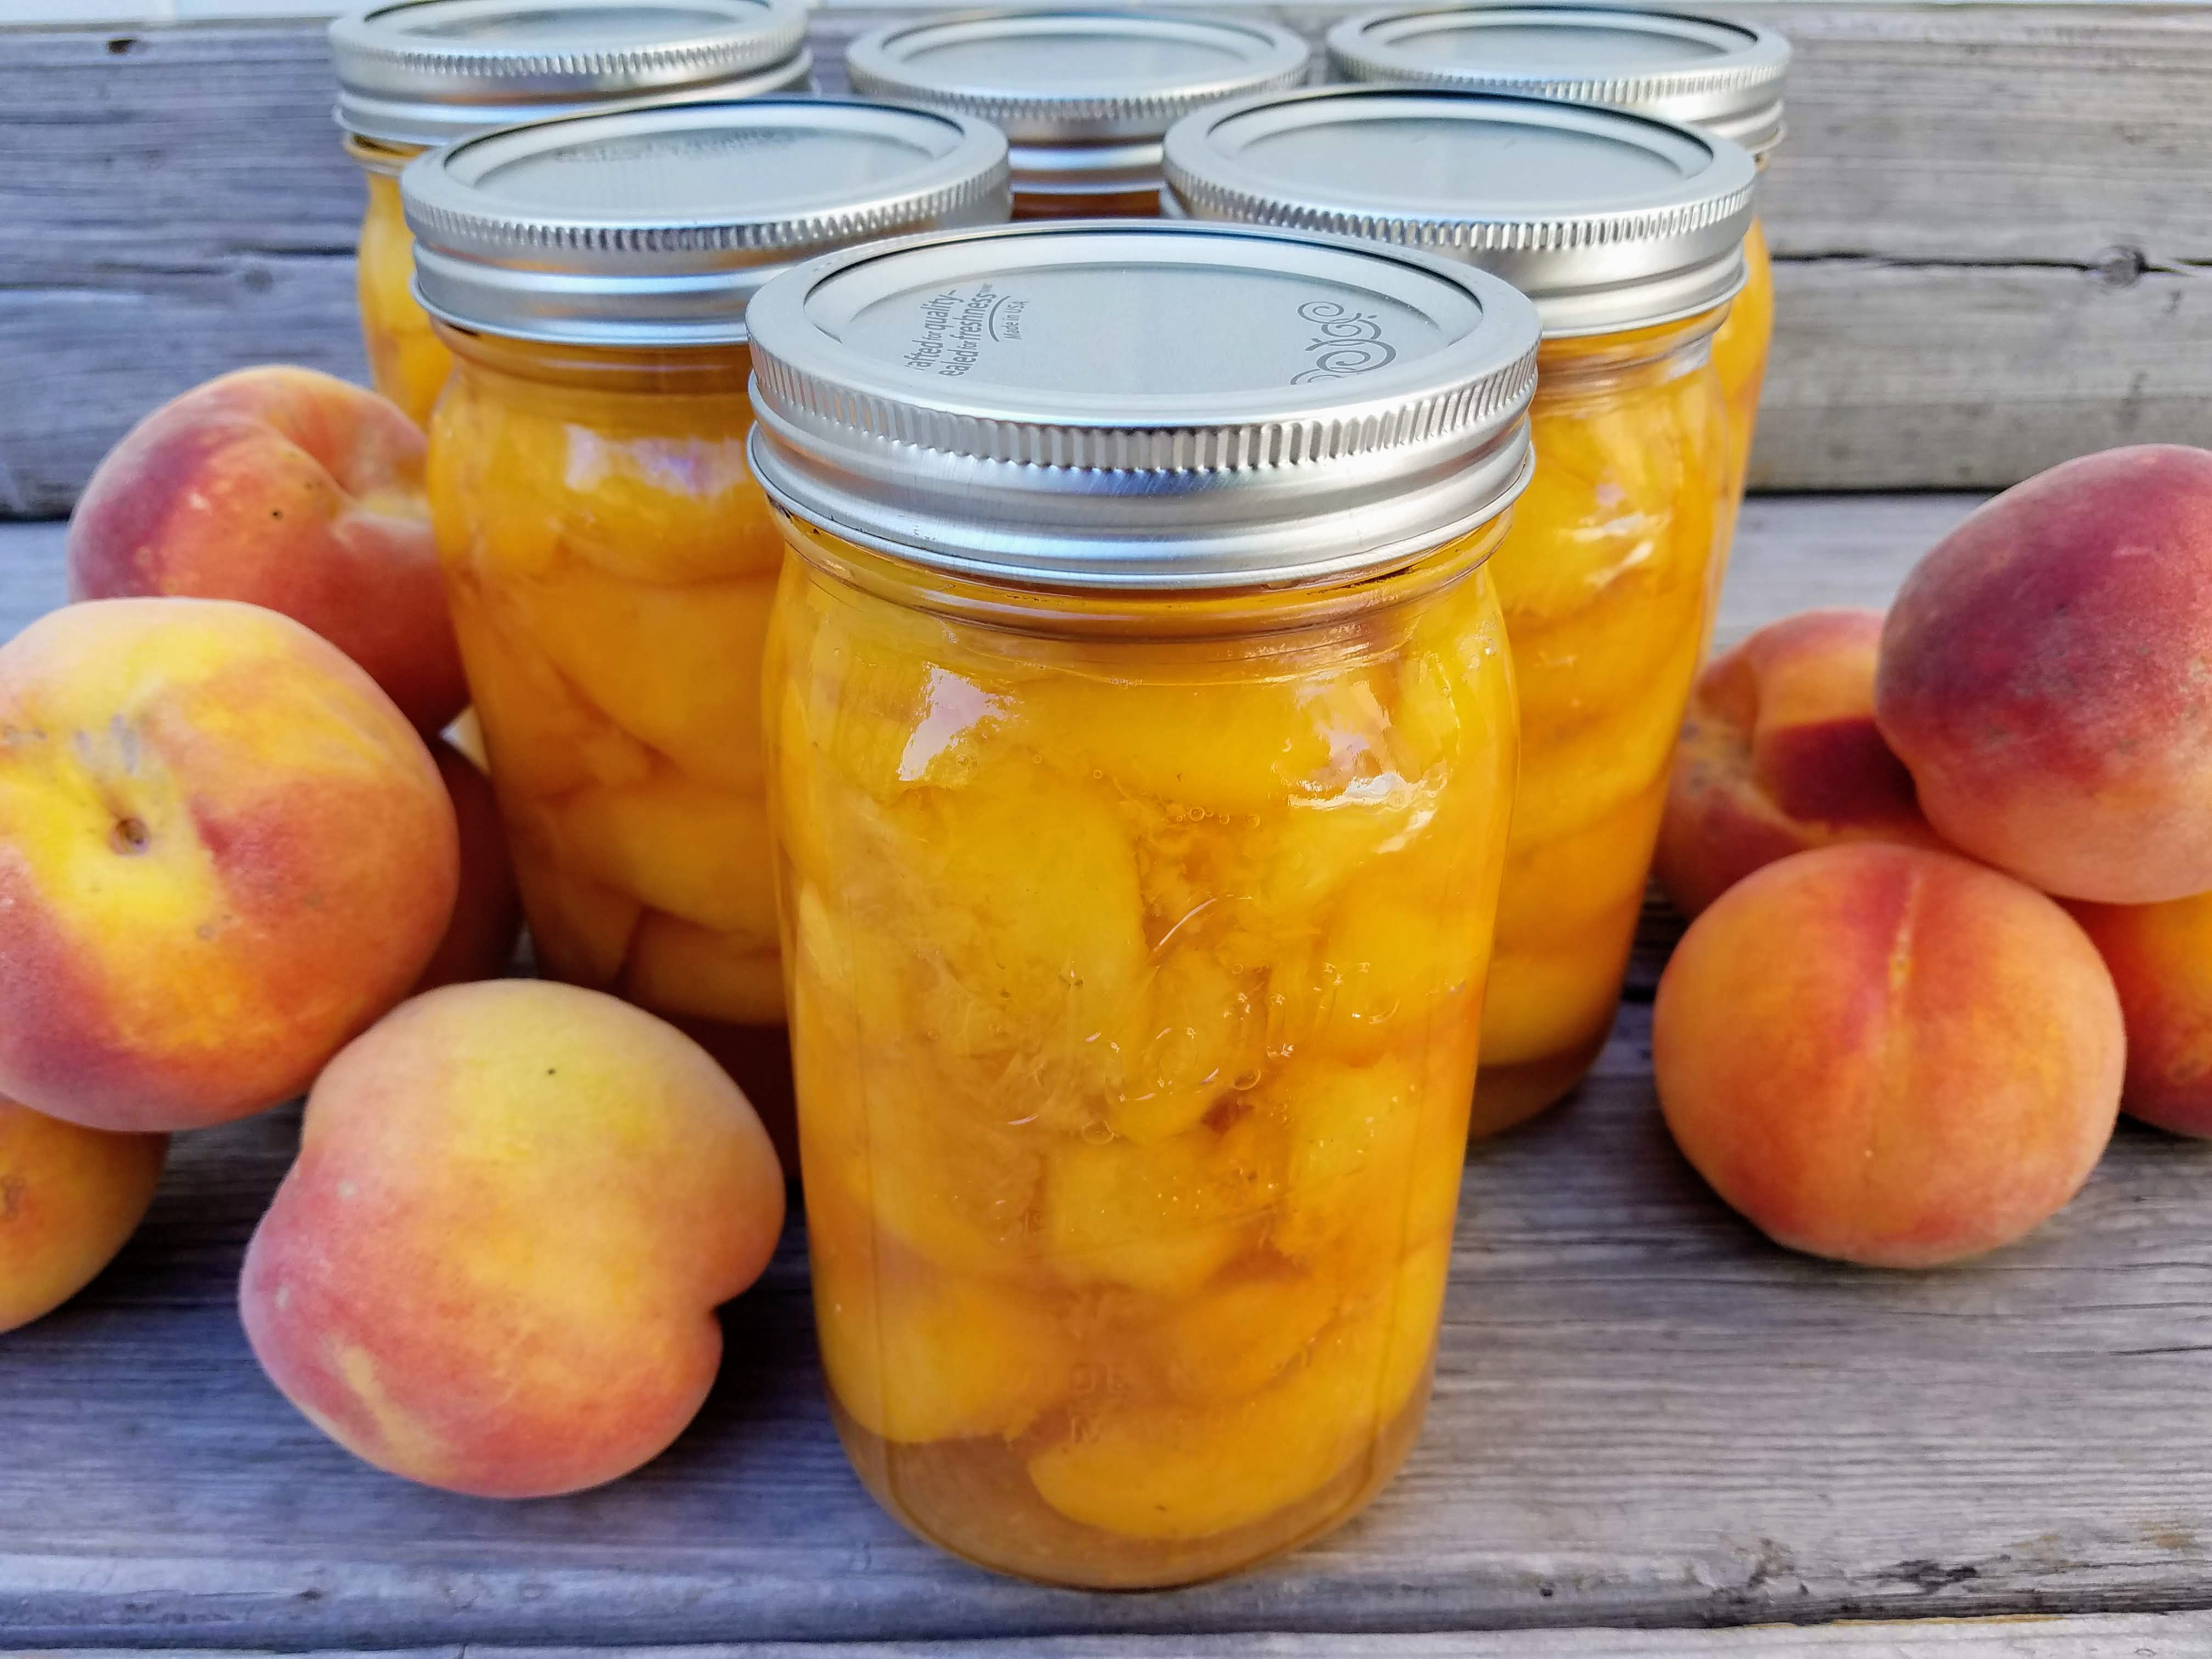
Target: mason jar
x=1141 y=741
x=416 y=74
x=610 y=558
x=1628 y=234
x=1082 y=94
x=1721 y=76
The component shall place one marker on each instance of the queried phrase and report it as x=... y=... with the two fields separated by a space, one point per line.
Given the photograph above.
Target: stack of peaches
x=237 y=862
x=1952 y=873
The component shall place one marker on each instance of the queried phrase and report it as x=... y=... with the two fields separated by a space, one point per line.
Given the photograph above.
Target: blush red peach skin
x=496 y=1265
x=289 y=488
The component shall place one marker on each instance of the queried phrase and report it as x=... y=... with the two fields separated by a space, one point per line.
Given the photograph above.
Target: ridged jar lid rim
x=883 y=62
x=1141 y=403
x=410 y=128
x=613 y=266
x=387 y=48
x=1734 y=87
x=1655 y=234
x=425 y=72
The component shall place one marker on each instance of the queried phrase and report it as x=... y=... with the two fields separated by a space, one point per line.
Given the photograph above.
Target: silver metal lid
x=655 y=226
x=1084 y=95
x=1142 y=404
x=423 y=72
x=1721 y=76
x=1607 y=221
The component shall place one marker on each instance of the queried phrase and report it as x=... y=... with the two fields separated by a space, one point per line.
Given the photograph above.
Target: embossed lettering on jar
x=415 y=74
x=1719 y=75
x=610 y=559
x=1084 y=95
x=1141 y=814
x=1627 y=234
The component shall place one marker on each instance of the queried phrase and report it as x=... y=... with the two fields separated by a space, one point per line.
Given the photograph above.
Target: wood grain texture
x=1799 y=552
x=178 y=206
x=2142 y=1636
x=1888 y=373
x=1645 y=1417
x=32 y=577
x=1991 y=232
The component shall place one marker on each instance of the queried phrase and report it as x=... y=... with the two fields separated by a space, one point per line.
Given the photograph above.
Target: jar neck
x=1659 y=352
x=704 y=370
x=375 y=155
x=1291 y=614
x=1136 y=203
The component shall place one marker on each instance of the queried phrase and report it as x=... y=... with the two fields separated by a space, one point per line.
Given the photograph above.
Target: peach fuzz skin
x=2044 y=675
x=1779 y=755
x=288 y=489
x=223 y=852
x=495 y=1267
x=1887 y=1055
x=2161 y=958
x=487 y=921
x=69 y=1198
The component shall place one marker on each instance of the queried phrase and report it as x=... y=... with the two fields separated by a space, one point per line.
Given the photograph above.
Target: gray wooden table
x=1649 y=1426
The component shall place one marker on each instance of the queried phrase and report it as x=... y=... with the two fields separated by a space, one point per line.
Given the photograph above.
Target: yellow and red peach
x=1887 y=1056
x=2045 y=676
x=289 y=488
x=223 y=852
x=1779 y=755
x=69 y=1197
x=486 y=921
x=2161 y=958
x=496 y=1265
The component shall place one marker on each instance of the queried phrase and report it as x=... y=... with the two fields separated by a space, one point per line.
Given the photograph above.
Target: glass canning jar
x=1142 y=740
x=416 y=74
x=610 y=559
x=1721 y=76
x=1627 y=234
x=1084 y=95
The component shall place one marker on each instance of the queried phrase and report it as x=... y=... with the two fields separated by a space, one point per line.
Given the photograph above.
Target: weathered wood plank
x=1644 y=1417
x=31 y=576
x=1797 y=552
x=1987 y=219
x=1952 y=376
x=2146 y=1636
x=1989 y=134
x=178 y=206
x=2155 y=1636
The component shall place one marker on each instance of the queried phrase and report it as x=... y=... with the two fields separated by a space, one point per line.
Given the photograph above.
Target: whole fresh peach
x=223 y=852
x=288 y=489
x=2161 y=958
x=487 y=921
x=1888 y=1056
x=2046 y=675
x=496 y=1265
x=1779 y=755
x=69 y=1197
